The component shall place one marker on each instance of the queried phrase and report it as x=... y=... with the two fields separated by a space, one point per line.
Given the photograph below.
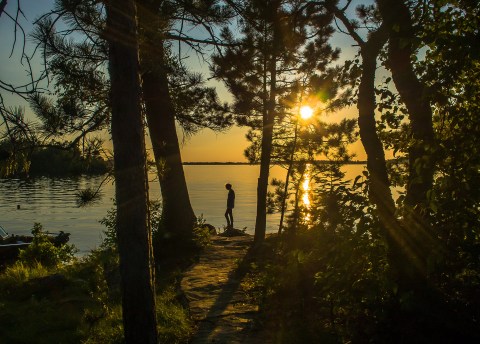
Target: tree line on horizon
x=120 y=66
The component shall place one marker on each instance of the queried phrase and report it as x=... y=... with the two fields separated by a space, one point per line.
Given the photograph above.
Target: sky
x=204 y=146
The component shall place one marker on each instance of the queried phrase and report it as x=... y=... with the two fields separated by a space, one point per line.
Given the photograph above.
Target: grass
x=77 y=303
x=20 y=273
x=32 y=312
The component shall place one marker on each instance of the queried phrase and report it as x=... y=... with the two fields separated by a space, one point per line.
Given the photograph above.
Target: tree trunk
x=262 y=187
x=402 y=253
x=421 y=161
x=413 y=93
x=406 y=261
x=266 y=154
x=379 y=187
x=379 y=184
x=131 y=187
x=287 y=179
x=178 y=215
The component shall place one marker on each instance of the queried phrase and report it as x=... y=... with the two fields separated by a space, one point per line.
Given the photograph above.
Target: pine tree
x=261 y=69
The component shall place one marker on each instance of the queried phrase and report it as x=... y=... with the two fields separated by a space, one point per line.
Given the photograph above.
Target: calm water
x=52 y=201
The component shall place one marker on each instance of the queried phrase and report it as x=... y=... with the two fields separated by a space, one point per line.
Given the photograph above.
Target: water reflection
x=52 y=202
x=306 y=194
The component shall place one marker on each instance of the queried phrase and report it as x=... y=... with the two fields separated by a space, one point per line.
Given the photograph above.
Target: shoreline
x=356 y=162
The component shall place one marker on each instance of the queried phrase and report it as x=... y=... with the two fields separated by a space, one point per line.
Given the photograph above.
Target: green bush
x=43 y=251
x=202 y=233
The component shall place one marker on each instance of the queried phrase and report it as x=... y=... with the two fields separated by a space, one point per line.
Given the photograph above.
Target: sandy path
x=213 y=290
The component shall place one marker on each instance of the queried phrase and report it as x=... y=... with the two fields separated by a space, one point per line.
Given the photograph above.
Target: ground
x=213 y=290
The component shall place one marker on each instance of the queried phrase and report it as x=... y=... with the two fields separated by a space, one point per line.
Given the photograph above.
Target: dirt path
x=213 y=290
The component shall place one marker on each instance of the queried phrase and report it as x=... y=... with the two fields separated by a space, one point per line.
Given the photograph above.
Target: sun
x=306 y=112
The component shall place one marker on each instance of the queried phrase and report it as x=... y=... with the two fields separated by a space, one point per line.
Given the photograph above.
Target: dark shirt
x=231 y=199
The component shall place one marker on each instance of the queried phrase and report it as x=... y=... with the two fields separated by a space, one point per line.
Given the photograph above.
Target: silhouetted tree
x=131 y=183
x=170 y=92
x=260 y=69
x=165 y=101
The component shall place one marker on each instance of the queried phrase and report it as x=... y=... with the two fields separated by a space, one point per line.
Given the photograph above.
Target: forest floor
x=218 y=303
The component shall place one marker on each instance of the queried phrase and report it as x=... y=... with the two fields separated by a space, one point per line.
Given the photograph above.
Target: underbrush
x=324 y=286
x=317 y=288
x=78 y=303
x=49 y=296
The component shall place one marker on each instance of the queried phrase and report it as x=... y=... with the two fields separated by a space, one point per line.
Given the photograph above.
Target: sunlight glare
x=306 y=188
x=306 y=197
x=306 y=112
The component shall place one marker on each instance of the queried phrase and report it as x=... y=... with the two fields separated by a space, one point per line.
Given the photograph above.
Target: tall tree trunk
x=379 y=190
x=397 y=16
x=407 y=264
x=379 y=184
x=266 y=153
x=178 y=215
x=400 y=255
x=131 y=187
x=405 y=259
x=379 y=187
x=287 y=179
x=262 y=187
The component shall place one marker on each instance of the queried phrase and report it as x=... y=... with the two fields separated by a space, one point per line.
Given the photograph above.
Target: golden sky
x=204 y=146
x=230 y=145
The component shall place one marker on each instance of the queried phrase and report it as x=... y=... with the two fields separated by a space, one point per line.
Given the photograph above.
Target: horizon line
x=353 y=162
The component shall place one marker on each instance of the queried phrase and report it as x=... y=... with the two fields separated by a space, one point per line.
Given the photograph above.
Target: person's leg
x=227 y=216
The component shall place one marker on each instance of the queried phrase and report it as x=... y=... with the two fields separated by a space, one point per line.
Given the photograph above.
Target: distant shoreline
x=357 y=162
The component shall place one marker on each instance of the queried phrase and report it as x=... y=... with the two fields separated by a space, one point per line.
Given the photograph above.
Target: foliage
x=451 y=69
x=20 y=273
x=47 y=304
x=174 y=325
x=100 y=268
x=43 y=251
x=327 y=283
x=58 y=161
x=162 y=240
x=109 y=239
x=202 y=232
x=268 y=67
x=83 y=306
x=87 y=196
x=54 y=160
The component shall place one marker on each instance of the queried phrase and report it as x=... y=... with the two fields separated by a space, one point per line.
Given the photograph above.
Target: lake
x=51 y=201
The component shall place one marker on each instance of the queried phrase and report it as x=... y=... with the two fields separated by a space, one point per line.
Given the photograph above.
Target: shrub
x=43 y=251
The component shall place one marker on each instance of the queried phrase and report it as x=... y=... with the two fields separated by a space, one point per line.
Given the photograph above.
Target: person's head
x=228 y=186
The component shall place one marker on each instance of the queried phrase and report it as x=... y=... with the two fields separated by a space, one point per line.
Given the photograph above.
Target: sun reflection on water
x=306 y=194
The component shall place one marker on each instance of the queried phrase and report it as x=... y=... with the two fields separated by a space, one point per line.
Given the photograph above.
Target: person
x=230 y=205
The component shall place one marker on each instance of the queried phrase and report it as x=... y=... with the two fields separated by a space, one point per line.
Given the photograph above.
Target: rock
x=231 y=232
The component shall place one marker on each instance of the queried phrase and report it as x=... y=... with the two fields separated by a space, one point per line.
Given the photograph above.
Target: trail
x=218 y=305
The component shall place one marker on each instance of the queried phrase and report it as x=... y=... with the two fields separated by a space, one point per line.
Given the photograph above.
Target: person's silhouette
x=230 y=205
